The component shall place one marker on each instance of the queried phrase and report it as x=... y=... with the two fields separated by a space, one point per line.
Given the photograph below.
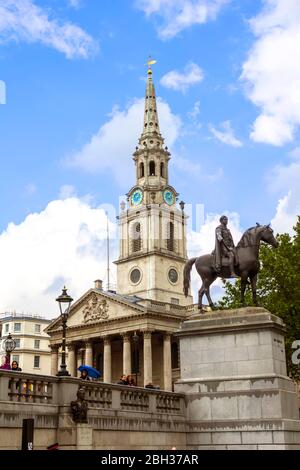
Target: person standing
x=15 y=366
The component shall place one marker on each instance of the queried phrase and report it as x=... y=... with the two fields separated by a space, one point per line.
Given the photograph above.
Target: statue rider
x=224 y=247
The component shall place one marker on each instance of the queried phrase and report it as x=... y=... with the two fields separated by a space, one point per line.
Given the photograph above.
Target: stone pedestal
x=233 y=372
x=84 y=437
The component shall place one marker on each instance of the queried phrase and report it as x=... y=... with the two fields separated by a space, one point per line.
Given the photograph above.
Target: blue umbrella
x=92 y=372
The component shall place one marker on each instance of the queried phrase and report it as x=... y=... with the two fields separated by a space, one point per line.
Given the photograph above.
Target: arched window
x=174 y=356
x=162 y=169
x=170 y=237
x=142 y=171
x=136 y=237
x=152 y=168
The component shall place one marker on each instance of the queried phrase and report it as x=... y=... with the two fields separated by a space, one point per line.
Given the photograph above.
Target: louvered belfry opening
x=136 y=237
x=170 y=236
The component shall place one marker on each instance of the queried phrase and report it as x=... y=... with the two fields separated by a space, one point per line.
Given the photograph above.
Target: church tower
x=152 y=228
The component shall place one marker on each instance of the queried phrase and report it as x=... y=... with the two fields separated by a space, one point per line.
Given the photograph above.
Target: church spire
x=151 y=157
x=151 y=129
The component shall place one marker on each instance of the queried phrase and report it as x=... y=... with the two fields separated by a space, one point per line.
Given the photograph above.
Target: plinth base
x=233 y=372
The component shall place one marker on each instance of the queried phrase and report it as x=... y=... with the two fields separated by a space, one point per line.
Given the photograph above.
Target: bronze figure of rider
x=224 y=247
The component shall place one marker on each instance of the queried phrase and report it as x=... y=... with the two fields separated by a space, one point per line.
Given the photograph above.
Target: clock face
x=169 y=197
x=137 y=197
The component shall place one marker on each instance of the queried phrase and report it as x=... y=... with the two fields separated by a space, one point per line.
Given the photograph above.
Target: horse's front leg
x=200 y=295
x=243 y=288
x=211 y=304
x=253 y=280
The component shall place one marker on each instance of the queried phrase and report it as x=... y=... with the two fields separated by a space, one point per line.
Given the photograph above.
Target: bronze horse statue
x=247 y=255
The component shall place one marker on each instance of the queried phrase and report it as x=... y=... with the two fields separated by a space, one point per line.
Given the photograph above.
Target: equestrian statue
x=228 y=261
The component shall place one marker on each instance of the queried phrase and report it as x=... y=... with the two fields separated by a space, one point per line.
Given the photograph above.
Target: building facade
x=130 y=330
x=32 y=342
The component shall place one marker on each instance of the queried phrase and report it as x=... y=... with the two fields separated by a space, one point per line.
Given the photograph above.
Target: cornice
x=165 y=254
x=144 y=315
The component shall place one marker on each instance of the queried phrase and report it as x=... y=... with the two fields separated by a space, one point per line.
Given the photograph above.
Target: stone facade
x=32 y=342
x=105 y=339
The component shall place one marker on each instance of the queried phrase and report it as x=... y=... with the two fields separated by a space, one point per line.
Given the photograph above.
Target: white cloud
x=22 y=20
x=226 y=135
x=195 y=111
x=284 y=179
x=63 y=244
x=111 y=148
x=181 y=81
x=178 y=15
x=272 y=71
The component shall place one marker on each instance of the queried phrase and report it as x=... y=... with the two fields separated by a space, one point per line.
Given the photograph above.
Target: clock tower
x=152 y=227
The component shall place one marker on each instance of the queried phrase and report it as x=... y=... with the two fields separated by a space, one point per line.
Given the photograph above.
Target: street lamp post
x=135 y=339
x=64 y=301
x=9 y=346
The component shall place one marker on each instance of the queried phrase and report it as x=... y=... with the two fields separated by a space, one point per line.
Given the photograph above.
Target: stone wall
x=119 y=417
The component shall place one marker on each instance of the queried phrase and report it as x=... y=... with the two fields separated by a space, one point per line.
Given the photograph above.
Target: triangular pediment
x=96 y=306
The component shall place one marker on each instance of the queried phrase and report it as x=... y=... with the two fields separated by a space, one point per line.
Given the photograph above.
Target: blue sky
x=75 y=71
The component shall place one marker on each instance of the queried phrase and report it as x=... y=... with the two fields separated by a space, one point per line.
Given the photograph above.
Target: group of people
x=127 y=380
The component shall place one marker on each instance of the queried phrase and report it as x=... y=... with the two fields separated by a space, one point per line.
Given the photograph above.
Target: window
x=152 y=168
x=162 y=170
x=36 y=344
x=6 y=327
x=36 y=361
x=170 y=236
x=174 y=356
x=142 y=171
x=17 y=327
x=16 y=358
x=17 y=342
x=37 y=328
x=135 y=276
x=174 y=301
x=136 y=237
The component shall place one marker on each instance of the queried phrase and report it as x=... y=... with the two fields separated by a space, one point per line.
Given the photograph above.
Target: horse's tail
x=187 y=275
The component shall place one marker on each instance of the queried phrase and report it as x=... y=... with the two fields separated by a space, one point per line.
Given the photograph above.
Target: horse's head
x=267 y=236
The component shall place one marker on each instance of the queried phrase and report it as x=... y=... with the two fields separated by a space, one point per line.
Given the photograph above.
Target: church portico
x=139 y=345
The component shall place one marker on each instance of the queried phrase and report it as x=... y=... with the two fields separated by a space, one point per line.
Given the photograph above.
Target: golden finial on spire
x=150 y=62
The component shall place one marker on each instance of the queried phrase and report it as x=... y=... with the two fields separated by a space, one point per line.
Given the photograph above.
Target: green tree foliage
x=278 y=288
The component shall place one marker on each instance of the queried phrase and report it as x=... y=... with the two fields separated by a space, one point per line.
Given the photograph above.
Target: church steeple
x=151 y=157
x=152 y=229
x=151 y=124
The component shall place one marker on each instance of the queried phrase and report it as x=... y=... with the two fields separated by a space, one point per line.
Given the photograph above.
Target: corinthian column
x=107 y=360
x=147 y=357
x=89 y=354
x=126 y=354
x=54 y=359
x=71 y=359
x=167 y=363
